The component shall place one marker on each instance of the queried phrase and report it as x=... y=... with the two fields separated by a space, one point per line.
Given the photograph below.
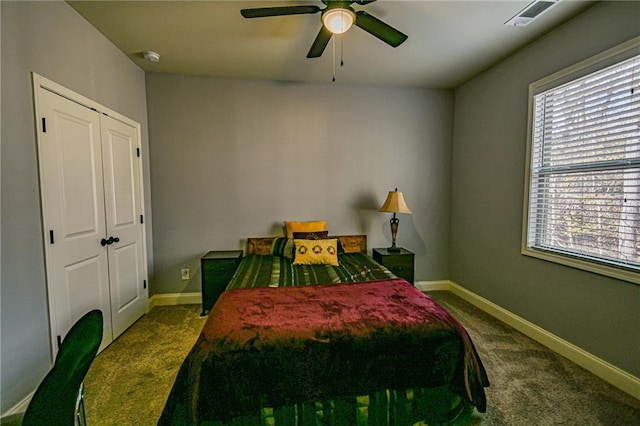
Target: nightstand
x=217 y=268
x=400 y=262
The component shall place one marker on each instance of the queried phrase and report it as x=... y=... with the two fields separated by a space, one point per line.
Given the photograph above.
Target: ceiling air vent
x=531 y=12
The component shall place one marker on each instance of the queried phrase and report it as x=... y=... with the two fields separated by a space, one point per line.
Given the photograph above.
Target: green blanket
x=279 y=271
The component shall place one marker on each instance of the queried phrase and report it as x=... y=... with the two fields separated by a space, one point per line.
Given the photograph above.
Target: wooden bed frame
x=350 y=243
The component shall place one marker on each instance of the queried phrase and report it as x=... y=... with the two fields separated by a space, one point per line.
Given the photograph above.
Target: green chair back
x=54 y=401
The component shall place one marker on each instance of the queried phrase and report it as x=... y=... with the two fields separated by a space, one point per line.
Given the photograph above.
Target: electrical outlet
x=185 y=274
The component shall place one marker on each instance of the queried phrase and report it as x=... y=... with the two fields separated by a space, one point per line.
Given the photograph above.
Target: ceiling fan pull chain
x=334 y=58
x=341 y=50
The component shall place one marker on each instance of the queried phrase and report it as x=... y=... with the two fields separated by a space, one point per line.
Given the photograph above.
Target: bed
x=311 y=344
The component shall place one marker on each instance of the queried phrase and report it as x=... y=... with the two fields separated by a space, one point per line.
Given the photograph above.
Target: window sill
x=597 y=268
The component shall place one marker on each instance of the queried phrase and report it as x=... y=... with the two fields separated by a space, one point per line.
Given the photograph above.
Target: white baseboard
x=21 y=406
x=608 y=372
x=433 y=285
x=174 y=299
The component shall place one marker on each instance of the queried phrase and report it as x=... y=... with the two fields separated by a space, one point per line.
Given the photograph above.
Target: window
x=583 y=192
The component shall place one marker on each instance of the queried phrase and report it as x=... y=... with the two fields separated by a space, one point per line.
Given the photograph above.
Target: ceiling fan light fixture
x=338 y=20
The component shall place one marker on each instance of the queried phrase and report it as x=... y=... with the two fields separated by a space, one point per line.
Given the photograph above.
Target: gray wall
x=51 y=39
x=598 y=314
x=231 y=159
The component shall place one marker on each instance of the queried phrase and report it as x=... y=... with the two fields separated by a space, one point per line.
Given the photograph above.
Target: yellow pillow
x=315 y=226
x=316 y=252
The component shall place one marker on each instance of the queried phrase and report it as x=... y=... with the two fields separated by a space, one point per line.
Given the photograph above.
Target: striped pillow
x=282 y=247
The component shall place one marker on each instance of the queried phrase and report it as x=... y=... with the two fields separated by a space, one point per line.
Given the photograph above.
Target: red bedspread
x=276 y=346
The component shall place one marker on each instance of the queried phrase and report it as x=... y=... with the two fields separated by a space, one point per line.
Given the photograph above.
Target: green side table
x=218 y=267
x=398 y=262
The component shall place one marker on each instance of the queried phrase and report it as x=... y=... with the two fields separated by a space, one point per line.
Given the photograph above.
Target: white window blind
x=584 y=189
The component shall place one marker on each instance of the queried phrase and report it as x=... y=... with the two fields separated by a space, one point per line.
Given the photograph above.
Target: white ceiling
x=449 y=41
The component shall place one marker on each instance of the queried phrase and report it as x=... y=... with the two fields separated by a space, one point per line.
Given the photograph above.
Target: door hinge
x=144 y=282
x=44 y=125
x=141 y=218
x=59 y=341
x=138 y=152
x=51 y=236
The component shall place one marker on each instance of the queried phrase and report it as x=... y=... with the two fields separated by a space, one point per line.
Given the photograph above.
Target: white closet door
x=123 y=208
x=70 y=158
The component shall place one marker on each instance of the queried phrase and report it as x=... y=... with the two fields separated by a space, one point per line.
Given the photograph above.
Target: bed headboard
x=350 y=244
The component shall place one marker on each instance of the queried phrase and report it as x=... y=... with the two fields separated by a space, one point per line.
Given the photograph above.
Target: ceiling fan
x=336 y=18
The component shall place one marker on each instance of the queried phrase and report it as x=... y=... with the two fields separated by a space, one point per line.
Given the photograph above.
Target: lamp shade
x=395 y=203
x=338 y=20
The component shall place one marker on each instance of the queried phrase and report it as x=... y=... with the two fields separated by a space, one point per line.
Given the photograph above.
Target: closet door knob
x=110 y=241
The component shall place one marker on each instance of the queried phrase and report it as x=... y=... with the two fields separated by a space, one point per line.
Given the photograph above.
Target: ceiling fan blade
x=319 y=44
x=279 y=11
x=379 y=29
x=363 y=2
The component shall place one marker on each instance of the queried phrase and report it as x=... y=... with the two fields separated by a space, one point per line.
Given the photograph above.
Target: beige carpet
x=531 y=385
x=130 y=380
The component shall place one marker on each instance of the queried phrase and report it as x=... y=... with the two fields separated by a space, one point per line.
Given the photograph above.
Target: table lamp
x=394 y=204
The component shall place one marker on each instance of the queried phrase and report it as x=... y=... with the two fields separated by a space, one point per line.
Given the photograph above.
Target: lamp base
x=394 y=249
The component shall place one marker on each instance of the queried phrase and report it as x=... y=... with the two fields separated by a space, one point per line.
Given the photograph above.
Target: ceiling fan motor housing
x=339 y=17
